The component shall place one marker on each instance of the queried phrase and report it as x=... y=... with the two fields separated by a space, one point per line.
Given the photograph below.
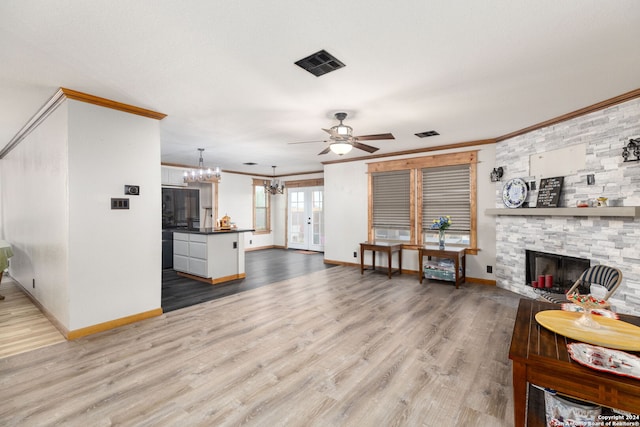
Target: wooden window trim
x=416 y=164
x=259 y=183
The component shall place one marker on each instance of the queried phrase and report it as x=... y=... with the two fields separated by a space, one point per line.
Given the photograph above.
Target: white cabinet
x=173 y=176
x=217 y=256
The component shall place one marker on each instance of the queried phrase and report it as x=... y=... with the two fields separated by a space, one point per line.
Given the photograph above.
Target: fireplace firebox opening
x=563 y=270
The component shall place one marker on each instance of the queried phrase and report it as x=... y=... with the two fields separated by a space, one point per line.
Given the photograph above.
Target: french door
x=306 y=219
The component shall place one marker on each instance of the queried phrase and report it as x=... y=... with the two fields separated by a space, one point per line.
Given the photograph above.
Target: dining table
x=541 y=357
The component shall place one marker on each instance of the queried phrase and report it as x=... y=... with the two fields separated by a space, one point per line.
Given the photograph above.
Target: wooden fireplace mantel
x=621 y=211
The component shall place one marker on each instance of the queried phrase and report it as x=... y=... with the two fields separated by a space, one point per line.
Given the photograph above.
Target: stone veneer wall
x=603 y=240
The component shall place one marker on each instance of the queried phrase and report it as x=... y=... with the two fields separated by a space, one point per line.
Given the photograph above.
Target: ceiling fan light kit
x=341 y=129
x=201 y=174
x=341 y=148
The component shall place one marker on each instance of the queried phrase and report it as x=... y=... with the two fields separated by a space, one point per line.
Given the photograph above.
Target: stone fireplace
x=602 y=239
x=561 y=269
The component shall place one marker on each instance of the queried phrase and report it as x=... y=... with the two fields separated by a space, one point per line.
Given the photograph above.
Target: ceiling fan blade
x=365 y=147
x=375 y=137
x=333 y=133
x=325 y=151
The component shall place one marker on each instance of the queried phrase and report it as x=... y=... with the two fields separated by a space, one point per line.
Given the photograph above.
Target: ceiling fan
x=341 y=139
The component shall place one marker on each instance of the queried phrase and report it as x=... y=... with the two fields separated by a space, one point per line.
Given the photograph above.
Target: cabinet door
x=181 y=263
x=173 y=176
x=180 y=247
x=198 y=250
x=198 y=267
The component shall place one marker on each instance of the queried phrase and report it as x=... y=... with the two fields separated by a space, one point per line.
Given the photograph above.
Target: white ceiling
x=224 y=73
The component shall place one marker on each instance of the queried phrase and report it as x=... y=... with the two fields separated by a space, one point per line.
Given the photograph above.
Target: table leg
x=373 y=260
x=456 y=265
x=420 y=272
x=361 y=260
x=519 y=394
x=463 y=277
x=1 y=273
x=400 y=262
x=389 y=258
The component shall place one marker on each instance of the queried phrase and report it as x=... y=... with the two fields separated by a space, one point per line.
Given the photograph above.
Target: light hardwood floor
x=332 y=348
x=22 y=326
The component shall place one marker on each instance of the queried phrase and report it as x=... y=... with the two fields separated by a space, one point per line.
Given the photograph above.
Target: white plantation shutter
x=391 y=199
x=446 y=191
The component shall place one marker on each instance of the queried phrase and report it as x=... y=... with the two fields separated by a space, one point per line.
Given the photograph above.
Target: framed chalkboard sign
x=549 y=192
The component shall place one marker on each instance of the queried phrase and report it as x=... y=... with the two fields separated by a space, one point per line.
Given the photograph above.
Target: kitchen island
x=209 y=255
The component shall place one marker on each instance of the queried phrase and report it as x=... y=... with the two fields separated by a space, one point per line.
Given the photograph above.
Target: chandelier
x=201 y=174
x=274 y=186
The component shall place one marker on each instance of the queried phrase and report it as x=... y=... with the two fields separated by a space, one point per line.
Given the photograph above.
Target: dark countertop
x=211 y=230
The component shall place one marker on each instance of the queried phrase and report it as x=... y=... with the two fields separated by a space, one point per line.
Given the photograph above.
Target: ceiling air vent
x=320 y=63
x=427 y=133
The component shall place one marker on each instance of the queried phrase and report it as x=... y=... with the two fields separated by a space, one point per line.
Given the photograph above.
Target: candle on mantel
x=541 y=281
x=548 y=281
x=534 y=283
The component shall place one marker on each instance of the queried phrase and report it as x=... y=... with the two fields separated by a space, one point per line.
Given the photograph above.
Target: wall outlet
x=489 y=269
x=250 y=241
x=33 y=283
x=355 y=254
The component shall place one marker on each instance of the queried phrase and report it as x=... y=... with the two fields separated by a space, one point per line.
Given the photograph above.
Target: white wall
x=346 y=207
x=91 y=264
x=115 y=255
x=236 y=200
x=35 y=213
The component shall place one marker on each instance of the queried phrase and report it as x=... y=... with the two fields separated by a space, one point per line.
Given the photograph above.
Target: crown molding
x=54 y=102
x=572 y=115
x=108 y=103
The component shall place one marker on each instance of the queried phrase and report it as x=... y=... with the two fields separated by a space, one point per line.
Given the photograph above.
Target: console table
x=540 y=357
x=458 y=255
x=387 y=247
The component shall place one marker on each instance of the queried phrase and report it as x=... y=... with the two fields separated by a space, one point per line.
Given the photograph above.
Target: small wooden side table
x=387 y=247
x=455 y=254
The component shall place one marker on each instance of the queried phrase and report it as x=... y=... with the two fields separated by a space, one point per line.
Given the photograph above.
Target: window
x=392 y=206
x=446 y=191
x=261 y=210
x=405 y=196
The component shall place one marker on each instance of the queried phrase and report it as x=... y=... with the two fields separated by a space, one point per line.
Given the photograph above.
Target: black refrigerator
x=180 y=210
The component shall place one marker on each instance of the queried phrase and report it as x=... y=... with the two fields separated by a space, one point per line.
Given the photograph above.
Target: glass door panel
x=306 y=219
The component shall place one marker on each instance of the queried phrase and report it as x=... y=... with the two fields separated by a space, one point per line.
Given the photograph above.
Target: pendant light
x=201 y=174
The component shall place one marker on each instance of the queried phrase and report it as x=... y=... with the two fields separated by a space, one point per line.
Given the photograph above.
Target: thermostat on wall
x=132 y=190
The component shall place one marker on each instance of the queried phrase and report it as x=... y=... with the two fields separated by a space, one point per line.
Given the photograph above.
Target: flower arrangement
x=441 y=223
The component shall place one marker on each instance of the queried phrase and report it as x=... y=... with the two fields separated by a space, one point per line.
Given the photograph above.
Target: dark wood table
x=387 y=247
x=540 y=357
x=458 y=255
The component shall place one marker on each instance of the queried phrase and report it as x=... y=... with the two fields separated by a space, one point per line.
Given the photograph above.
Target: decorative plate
x=598 y=311
x=605 y=359
x=514 y=193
